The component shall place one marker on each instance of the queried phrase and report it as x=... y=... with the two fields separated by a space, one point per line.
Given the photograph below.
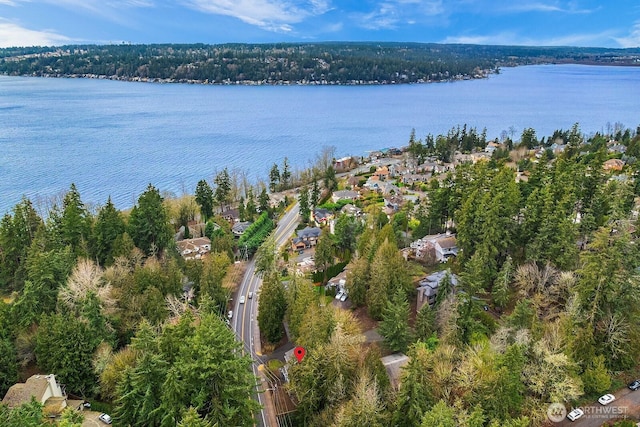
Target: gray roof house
x=429 y=285
x=307 y=237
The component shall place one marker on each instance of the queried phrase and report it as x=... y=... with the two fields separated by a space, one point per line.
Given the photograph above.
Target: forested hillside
x=306 y=63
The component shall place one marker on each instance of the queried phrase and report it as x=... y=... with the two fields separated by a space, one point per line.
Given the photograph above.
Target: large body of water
x=114 y=138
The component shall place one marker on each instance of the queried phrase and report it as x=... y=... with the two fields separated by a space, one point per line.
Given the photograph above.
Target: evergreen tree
x=109 y=226
x=149 y=223
x=501 y=287
x=272 y=307
x=274 y=178
x=303 y=199
x=223 y=188
x=250 y=210
x=425 y=323
x=394 y=327
x=324 y=255
x=204 y=198
x=76 y=222
x=263 y=201
x=358 y=281
x=315 y=194
x=330 y=180
x=286 y=174
x=416 y=394
x=16 y=234
x=8 y=361
x=65 y=345
x=388 y=274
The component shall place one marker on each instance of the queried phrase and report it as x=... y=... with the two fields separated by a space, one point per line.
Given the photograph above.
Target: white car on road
x=575 y=414
x=606 y=399
x=242 y=299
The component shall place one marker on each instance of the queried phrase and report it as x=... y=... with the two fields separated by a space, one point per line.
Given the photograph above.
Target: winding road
x=244 y=321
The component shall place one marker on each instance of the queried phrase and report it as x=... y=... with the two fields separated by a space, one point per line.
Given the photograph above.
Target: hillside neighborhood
x=457 y=278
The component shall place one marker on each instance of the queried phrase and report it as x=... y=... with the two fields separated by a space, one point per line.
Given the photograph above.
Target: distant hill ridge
x=294 y=63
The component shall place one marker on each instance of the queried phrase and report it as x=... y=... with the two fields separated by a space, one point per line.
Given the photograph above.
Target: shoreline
x=484 y=74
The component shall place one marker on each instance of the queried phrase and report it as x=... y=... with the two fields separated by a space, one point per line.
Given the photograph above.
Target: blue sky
x=608 y=23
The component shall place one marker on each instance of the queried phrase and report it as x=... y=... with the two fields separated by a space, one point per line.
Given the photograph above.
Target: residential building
x=45 y=390
x=437 y=247
x=351 y=210
x=194 y=248
x=344 y=195
x=322 y=216
x=239 y=228
x=307 y=238
x=613 y=165
x=382 y=173
x=429 y=286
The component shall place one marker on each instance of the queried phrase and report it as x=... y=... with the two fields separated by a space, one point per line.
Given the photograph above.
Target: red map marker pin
x=299 y=352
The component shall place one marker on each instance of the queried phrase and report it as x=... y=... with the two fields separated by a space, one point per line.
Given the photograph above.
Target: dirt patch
x=234 y=276
x=366 y=322
x=268 y=347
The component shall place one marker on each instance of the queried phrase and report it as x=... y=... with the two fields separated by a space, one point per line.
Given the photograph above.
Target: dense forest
x=305 y=63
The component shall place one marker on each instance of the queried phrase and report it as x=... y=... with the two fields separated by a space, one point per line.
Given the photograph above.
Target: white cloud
x=393 y=13
x=272 y=15
x=633 y=39
x=511 y=38
x=571 y=7
x=13 y=35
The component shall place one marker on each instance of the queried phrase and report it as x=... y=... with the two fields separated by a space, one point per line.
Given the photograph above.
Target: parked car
x=575 y=414
x=634 y=385
x=606 y=399
x=105 y=418
x=242 y=299
x=344 y=296
x=230 y=314
x=250 y=295
x=339 y=295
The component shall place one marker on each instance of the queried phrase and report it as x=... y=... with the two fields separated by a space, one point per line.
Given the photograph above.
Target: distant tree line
x=275 y=63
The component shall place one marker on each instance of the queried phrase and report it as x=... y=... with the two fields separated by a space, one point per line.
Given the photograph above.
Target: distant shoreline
x=295 y=64
x=483 y=75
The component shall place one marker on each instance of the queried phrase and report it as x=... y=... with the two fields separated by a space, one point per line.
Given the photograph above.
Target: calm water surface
x=113 y=138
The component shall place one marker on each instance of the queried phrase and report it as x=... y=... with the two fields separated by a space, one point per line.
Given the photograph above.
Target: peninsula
x=343 y=63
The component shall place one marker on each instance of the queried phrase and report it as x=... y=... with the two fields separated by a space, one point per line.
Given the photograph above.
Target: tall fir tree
x=149 y=223
x=204 y=198
x=109 y=226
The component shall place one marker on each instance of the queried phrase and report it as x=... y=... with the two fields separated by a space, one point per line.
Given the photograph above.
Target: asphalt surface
x=244 y=321
x=627 y=404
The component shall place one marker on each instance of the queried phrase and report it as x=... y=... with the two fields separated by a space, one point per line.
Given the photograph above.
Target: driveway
x=91 y=419
x=627 y=404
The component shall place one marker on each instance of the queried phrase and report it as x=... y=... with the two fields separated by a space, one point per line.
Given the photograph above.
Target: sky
x=606 y=23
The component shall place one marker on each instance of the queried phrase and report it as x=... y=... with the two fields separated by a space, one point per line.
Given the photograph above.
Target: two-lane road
x=244 y=315
x=627 y=404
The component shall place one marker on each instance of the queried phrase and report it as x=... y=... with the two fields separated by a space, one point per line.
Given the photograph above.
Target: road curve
x=245 y=315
